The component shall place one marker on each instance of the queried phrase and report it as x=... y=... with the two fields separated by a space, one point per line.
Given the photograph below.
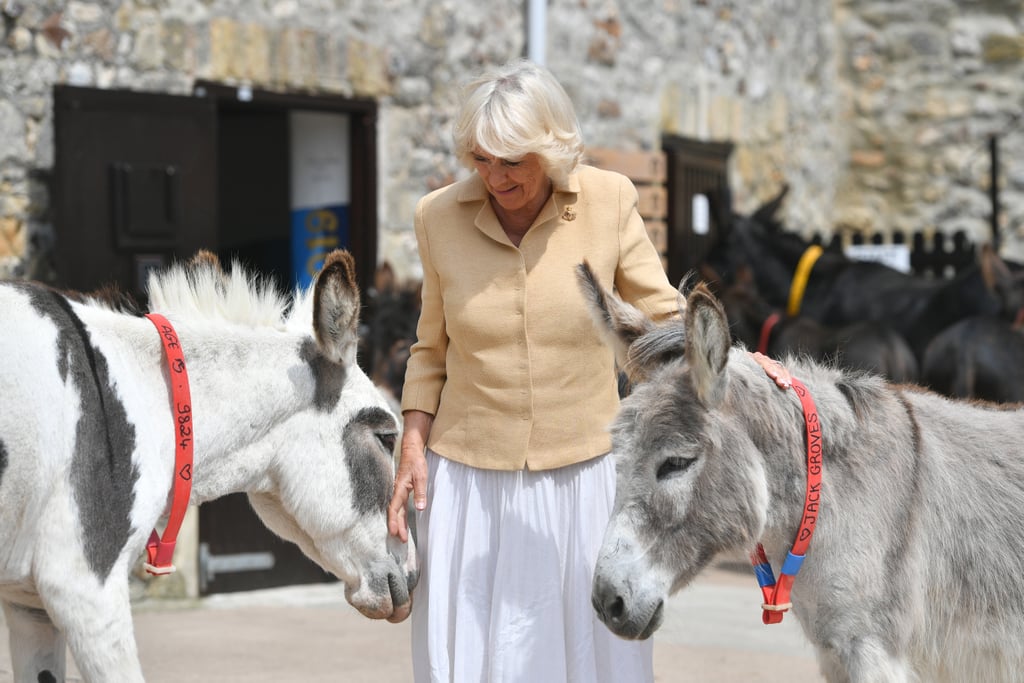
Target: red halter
x=776 y=595
x=160 y=550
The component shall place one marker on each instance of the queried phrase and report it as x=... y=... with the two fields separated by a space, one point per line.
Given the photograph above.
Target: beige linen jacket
x=507 y=357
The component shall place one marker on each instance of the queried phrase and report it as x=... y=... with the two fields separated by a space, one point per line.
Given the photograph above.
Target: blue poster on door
x=315 y=232
x=320 y=190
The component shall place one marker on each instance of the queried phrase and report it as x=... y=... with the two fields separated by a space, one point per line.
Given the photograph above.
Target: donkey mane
x=108 y=296
x=656 y=346
x=665 y=342
x=201 y=289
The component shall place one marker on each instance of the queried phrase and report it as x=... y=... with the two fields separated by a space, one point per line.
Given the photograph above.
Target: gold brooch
x=569 y=214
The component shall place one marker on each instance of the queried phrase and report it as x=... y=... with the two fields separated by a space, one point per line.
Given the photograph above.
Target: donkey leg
x=864 y=660
x=98 y=626
x=37 y=646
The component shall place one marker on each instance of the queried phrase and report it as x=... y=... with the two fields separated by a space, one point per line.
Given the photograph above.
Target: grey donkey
x=915 y=571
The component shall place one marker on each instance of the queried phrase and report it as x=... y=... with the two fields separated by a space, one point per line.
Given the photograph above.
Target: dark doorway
x=255 y=175
x=253 y=199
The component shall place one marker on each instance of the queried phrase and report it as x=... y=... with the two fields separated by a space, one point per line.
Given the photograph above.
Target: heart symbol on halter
x=186 y=472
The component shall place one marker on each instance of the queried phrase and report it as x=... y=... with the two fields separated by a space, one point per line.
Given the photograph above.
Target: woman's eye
x=671 y=467
x=511 y=164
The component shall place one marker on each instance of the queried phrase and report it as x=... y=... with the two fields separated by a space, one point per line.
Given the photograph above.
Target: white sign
x=320 y=159
x=700 y=214
x=895 y=256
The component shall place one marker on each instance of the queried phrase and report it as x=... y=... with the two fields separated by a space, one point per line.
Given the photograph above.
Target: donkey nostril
x=616 y=607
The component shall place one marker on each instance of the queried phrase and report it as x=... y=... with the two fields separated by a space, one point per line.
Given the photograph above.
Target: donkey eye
x=671 y=467
x=387 y=440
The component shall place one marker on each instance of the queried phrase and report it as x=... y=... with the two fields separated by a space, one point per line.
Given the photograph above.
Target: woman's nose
x=496 y=172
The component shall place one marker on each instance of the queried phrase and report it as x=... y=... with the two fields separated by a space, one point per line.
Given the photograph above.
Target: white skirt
x=507 y=562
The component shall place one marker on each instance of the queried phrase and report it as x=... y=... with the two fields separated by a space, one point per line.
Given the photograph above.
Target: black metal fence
x=934 y=255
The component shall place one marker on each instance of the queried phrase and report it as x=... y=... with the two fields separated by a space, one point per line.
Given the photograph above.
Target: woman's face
x=514 y=184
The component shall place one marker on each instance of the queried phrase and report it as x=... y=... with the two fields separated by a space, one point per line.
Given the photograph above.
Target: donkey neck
x=777 y=428
x=238 y=402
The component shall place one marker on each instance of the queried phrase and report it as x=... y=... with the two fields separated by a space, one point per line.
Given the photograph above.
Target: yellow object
x=800 y=277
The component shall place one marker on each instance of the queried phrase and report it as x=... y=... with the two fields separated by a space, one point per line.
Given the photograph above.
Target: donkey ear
x=1000 y=280
x=620 y=323
x=336 y=308
x=204 y=258
x=707 y=345
x=765 y=214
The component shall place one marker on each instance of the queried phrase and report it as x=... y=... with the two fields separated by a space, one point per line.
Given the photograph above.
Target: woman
x=509 y=391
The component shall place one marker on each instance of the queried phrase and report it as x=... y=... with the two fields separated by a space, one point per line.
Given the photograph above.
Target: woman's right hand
x=774 y=369
x=412 y=472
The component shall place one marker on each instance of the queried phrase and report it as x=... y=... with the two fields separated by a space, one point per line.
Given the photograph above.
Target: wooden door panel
x=135 y=184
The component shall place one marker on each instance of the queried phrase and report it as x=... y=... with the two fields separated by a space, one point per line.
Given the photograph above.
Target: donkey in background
x=840 y=290
x=281 y=411
x=916 y=569
x=864 y=345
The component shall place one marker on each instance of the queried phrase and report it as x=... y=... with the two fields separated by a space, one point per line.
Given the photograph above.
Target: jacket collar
x=563 y=195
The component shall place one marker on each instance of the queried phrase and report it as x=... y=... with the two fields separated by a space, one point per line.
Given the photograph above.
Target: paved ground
x=712 y=633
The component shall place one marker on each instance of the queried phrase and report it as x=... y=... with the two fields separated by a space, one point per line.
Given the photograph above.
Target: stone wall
x=758 y=74
x=876 y=113
x=925 y=84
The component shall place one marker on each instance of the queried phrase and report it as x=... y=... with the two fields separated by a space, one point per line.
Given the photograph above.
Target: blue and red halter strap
x=776 y=594
x=160 y=549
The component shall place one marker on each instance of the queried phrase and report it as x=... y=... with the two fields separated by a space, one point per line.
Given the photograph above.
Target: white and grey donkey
x=281 y=411
x=916 y=570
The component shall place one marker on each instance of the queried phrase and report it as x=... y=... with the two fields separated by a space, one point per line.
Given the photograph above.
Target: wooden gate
x=698 y=182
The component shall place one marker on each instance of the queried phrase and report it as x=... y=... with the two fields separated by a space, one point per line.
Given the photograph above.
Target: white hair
x=515 y=110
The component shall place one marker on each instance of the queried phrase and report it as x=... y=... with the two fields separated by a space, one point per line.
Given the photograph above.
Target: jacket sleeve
x=640 y=277
x=425 y=373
